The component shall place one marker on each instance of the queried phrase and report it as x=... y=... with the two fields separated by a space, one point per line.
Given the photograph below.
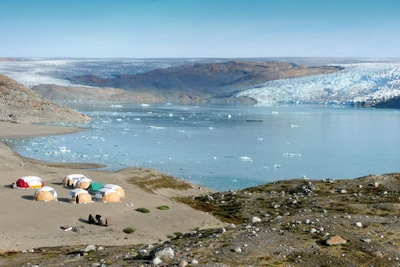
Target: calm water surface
x=225 y=147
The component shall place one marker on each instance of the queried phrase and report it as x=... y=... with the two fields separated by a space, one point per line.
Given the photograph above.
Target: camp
x=45 y=193
x=117 y=188
x=107 y=195
x=80 y=196
x=30 y=182
x=71 y=179
x=83 y=183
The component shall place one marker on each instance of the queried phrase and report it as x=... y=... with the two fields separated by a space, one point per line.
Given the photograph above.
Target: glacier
x=356 y=83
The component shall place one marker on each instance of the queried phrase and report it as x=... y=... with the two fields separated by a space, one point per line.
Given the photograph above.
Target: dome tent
x=72 y=179
x=79 y=195
x=29 y=182
x=107 y=195
x=45 y=193
x=117 y=188
x=83 y=183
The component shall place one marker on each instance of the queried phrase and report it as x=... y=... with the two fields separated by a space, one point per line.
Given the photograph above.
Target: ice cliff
x=356 y=84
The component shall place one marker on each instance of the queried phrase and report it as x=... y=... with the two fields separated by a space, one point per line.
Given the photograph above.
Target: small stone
x=377 y=254
x=194 y=262
x=237 y=250
x=183 y=263
x=358 y=224
x=254 y=220
x=366 y=240
x=89 y=248
x=335 y=240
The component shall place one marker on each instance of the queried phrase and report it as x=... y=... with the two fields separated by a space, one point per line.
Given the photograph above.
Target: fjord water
x=230 y=147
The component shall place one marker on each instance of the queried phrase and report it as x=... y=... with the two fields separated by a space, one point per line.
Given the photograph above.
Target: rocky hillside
x=287 y=223
x=19 y=104
x=202 y=81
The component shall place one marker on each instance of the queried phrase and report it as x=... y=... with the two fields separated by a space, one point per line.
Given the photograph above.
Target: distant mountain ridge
x=202 y=82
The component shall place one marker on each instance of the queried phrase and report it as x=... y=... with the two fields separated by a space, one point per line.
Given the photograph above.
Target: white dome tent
x=79 y=196
x=45 y=193
x=72 y=179
x=83 y=183
x=107 y=195
x=117 y=188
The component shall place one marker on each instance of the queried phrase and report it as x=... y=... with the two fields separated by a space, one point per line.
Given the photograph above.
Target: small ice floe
x=145 y=105
x=211 y=128
x=260 y=139
x=171 y=114
x=246 y=159
x=277 y=166
x=116 y=106
x=274 y=112
x=291 y=155
x=119 y=119
x=294 y=125
x=136 y=119
x=156 y=127
x=229 y=116
x=304 y=177
x=214 y=157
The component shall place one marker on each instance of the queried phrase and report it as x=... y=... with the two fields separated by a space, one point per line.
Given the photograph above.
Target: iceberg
x=246 y=159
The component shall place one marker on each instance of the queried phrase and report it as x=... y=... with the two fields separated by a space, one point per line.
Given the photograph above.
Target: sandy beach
x=28 y=224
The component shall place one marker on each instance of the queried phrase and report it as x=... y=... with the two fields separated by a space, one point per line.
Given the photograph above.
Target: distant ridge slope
x=19 y=104
x=204 y=81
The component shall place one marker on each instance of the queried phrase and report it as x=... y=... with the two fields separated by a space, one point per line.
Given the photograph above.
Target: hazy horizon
x=199 y=29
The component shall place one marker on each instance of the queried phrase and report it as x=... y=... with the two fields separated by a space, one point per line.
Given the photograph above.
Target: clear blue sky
x=200 y=28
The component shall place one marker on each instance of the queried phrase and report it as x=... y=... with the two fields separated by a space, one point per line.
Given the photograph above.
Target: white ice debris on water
x=246 y=159
x=291 y=155
x=357 y=83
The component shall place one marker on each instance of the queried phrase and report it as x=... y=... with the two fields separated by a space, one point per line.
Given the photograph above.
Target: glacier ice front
x=357 y=83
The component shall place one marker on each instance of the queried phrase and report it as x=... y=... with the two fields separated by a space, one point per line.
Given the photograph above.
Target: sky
x=200 y=28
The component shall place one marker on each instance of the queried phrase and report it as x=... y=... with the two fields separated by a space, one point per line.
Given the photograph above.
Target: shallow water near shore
x=231 y=147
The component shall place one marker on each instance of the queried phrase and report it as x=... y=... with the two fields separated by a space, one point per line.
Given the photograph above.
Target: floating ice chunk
x=214 y=157
x=211 y=128
x=116 y=106
x=277 y=166
x=119 y=119
x=156 y=127
x=136 y=119
x=246 y=159
x=229 y=116
x=274 y=112
x=294 y=125
x=145 y=105
x=260 y=139
x=304 y=177
x=291 y=155
x=170 y=114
